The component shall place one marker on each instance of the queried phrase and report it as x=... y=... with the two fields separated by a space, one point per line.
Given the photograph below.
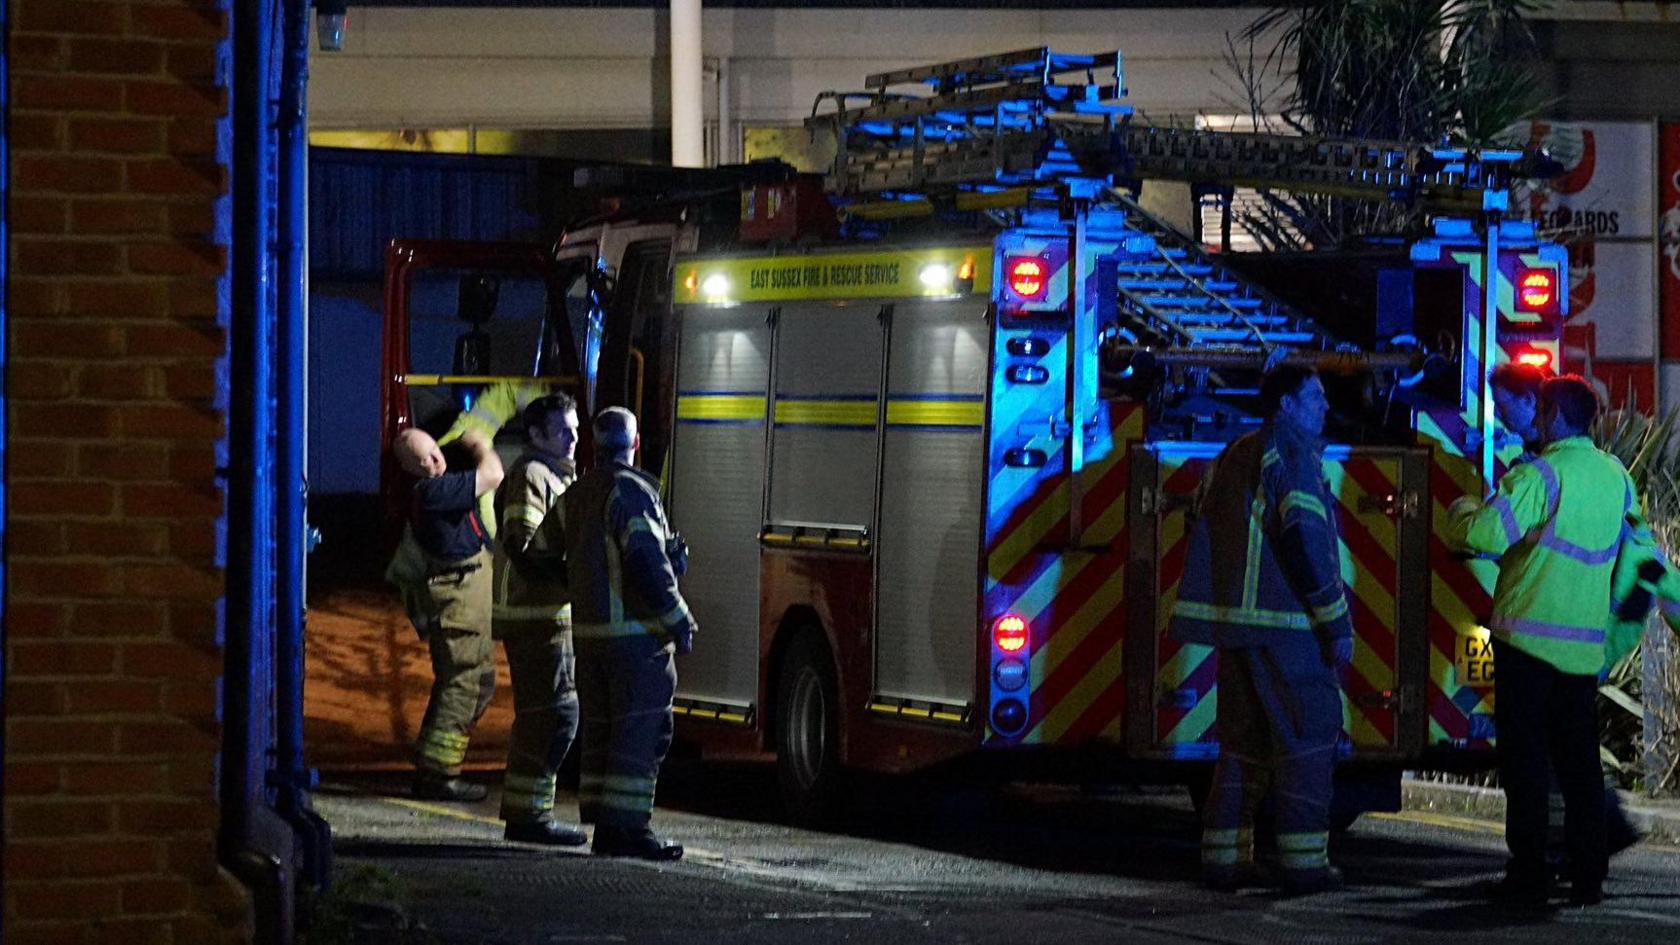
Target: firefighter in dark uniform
x=1262 y=583
x=450 y=605
x=532 y=616
x=629 y=620
x=1557 y=524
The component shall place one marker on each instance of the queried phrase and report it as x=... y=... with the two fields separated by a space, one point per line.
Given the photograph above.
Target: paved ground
x=920 y=865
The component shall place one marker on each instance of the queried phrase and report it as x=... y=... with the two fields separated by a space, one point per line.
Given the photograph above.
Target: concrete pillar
x=688 y=110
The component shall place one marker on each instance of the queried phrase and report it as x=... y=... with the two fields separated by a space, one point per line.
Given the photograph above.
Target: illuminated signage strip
x=921 y=273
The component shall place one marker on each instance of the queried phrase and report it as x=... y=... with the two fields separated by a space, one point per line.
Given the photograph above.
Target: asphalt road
x=917 y=864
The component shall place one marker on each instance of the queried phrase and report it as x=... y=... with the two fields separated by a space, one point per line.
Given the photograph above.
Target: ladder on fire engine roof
x=1028 y=119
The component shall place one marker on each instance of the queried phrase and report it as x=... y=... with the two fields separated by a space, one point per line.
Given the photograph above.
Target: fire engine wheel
x=808 y=730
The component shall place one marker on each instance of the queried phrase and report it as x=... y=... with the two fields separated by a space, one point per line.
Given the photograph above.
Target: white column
x=688 y=110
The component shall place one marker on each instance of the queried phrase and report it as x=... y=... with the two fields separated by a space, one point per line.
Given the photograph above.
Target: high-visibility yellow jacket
x=495 y=405
x=1557 y=524
x=1263 y=557
x=1644 y=578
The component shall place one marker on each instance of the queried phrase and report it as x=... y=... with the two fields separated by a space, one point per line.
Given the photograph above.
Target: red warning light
x=1536 y=357
x=1027 y=276
x=1537 y=291
x=1010 y=633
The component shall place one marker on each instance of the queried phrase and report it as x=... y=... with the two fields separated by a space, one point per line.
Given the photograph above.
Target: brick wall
x=112 y=651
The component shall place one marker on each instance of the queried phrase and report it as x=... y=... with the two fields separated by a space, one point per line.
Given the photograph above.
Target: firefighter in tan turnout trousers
x=1557 y=523
x=532 y=617
x=449 y=603
x=629 y=619
x=1262 y=583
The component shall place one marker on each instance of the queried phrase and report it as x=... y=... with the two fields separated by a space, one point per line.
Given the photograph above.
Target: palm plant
x=1394 y=70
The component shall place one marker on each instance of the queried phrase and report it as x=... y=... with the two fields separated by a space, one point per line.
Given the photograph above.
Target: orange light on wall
x=1026 y=276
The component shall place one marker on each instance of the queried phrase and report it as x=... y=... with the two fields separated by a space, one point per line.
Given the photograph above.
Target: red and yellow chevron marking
x=1460 y=591
x=1186 y=674
x=1072 y=600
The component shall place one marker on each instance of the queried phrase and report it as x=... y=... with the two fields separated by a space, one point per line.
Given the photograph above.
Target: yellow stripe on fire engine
x=921 y=273
x=935 y=413
x=827 y=413
x=720 y=407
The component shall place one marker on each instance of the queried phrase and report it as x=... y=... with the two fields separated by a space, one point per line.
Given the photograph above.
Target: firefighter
x=1556 y=523
x=1516 y=404
x=1262 y=583
x=629 y=620
x=532 y=616
x=450 y=604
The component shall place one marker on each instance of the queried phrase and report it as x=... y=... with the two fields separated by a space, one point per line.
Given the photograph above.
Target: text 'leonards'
x=819 y=275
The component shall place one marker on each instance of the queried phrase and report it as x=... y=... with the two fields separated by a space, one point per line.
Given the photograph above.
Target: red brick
x=119 y=382
x=176 y=340
x=193 y=464
x=34 y=698
x=125 y=298
x=169 y=660
x=123 y=460
x=162 y=816
x=116 y=56
x=34 y=861
x=128 y=136
x=171 y=581
x=114 y=696
x=59 y=578
x=79 y=340
x=194 y=857
x=178 y=97
x=88 y=175
x=192 y=61
x=169 y=501
x=73 y=16
x=194 y=541
x=193 y=138
x=35 y=538
x=57 y=737
x=69 y=901
x=192 y=219
x=31 y=778
x=193 y=701
x=170 y=422
x=190 y=382
x=124 y=619
x=57 y=818
x=195 y=776
x=105 y=779
x=32 y=658
x=35 y=297
x=63 y=498
x=52 y=934
x=120 y=218
x=165 y=738
x=186 y=258
x=156 y=896
x=186 y=21
x=39 y=215
x=198 y=622
x=34 y=619
x=152 y=930
x=37 y=54
x=40 y=380
x=114 y=857
x=40 y=459
x=37 y=132
x=69 y=258
x=66 y=93
x=62 y=420
x=177 y=176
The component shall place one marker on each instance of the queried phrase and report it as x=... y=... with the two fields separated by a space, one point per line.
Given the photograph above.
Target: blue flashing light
x=1010 y=675
x=1025 y=458
x=1009 y=717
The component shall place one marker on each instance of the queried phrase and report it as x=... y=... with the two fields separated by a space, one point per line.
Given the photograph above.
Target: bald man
x=451 y=607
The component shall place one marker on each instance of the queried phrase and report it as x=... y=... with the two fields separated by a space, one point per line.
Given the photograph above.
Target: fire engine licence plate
x=1473 y=659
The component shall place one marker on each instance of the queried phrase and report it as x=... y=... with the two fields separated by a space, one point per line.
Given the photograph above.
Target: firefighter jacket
x=1556 y=524
x=531 y=584
x=617 y=556
x=490 y=411
x=1263 y=556
x=1643 y=578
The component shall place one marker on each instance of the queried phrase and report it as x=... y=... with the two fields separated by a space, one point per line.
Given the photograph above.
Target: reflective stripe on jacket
x=531 y=582
x=621 y=577
x=1636 y=588
x=1556 y=523
x=1263 y=556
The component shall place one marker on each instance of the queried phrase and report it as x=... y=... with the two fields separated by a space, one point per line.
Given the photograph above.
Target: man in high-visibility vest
x=1556 y=523
x=532 y=616
x=1262 y=583
x=629 y=620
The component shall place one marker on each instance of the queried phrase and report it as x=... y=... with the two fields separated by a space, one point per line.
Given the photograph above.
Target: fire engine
x=929 y=424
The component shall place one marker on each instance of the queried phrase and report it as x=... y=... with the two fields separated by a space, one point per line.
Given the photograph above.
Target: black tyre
x=808 y=730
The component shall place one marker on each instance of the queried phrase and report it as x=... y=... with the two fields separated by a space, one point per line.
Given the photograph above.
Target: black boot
x=430 y=786
x=545 y=831
x=641 y=844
